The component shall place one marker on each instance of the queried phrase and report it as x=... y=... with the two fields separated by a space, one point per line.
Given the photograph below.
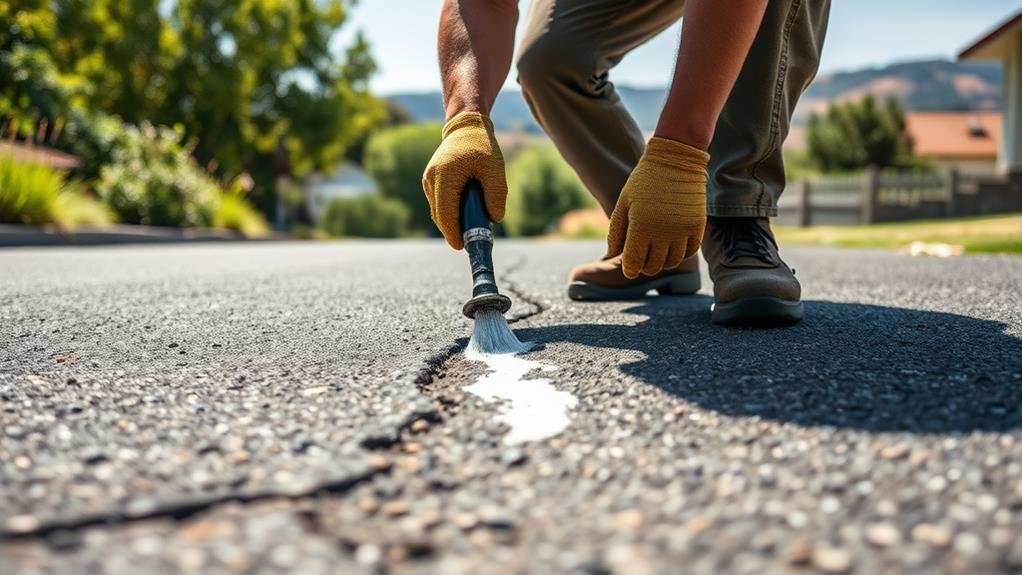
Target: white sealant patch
x=533 y=409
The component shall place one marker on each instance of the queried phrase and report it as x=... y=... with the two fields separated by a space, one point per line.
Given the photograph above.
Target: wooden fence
x=879 y=197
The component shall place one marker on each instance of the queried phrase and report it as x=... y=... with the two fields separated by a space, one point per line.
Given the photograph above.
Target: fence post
x=805 y=204
x=870 y=192
x=954 y=180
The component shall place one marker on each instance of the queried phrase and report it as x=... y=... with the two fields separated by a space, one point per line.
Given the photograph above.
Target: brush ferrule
x=477 y=235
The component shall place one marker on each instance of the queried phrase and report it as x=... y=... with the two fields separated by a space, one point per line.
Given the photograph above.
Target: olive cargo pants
x=570 y=46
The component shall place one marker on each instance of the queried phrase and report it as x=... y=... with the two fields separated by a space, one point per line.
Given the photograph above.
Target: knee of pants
x=549 y=61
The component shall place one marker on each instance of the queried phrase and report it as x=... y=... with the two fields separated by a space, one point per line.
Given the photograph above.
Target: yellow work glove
x=469 y=150
x=659 y=217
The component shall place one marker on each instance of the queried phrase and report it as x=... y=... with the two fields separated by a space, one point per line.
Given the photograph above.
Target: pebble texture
x=884 y=434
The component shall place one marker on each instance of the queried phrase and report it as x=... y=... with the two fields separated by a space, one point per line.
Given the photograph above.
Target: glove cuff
x=676 y=154
x=468 y=120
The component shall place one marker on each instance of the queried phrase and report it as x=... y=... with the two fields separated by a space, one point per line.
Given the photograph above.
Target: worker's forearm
x=476 y=43
x=715 y=39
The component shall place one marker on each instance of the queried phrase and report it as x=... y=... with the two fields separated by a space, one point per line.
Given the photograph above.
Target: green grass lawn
x=989 y=234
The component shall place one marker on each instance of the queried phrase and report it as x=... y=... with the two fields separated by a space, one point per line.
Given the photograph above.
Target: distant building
x=1004 y=44
x=967 y=141
x=347 y=181
x=32 y=154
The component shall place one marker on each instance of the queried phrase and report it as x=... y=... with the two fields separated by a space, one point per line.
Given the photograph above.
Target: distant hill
x=510 y=112
x=923 y=85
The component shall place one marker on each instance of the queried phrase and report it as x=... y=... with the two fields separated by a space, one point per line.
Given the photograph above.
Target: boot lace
x=744 y=238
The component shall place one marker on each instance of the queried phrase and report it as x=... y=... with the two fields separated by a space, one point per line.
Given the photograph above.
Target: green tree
x=395 y=158
x=242 y=78
x=854 y=135
x=262 y=72
x=395 y=116
x=369 y=216
x=542 y=189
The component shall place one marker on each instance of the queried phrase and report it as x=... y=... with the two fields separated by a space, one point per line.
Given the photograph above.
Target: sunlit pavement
x=226 y=408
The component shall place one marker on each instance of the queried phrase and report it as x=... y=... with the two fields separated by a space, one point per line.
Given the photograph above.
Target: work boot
x=751 y=285
x=605 y=280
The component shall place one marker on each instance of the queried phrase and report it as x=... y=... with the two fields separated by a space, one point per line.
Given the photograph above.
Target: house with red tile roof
x=1004 y=44
x=31 y=154
x=968 y=141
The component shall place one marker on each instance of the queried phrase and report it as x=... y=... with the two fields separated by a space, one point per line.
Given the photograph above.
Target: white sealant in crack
x=533 y=409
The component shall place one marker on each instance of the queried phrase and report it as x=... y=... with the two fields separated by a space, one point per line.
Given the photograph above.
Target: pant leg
x=746 y=165
x=564 y=61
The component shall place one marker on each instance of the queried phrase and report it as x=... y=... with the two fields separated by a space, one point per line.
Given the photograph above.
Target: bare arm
x=476 y=43
x=715 y=39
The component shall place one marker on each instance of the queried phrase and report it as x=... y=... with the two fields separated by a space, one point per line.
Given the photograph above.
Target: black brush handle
x=478 y=237
x=473 y=207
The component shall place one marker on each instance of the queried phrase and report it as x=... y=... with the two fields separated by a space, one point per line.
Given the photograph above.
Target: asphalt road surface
x=303 y=407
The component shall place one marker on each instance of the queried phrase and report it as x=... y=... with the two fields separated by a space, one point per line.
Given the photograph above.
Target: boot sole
x=676 y=284
x=758 y=311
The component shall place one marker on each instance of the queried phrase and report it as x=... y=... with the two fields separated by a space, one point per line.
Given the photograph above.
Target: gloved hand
x=468 y=150
x=659 y=217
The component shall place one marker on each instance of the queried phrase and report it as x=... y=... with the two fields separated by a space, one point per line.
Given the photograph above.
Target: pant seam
x=775 y=111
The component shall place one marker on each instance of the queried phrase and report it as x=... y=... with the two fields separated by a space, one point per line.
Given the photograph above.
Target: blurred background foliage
x=256 y=86
x=396 y=158
x=35 y=194
x=370 y=216
x=542 y=189
x=154 y=181
x=857 y=134
x=242 y=78
x=169 y=104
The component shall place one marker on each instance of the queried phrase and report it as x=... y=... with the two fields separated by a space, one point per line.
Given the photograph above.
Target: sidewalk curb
x=15 y=235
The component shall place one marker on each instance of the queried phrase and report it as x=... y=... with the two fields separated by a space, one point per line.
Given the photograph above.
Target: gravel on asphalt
x=318 y=420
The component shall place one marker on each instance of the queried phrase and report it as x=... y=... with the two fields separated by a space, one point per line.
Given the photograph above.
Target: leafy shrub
x=369 y=216
x=155 y=181
x=542 y=189
x=38 y=194
x=28 y=192
x=73 y=208
x=234 y=213
x=395 y=158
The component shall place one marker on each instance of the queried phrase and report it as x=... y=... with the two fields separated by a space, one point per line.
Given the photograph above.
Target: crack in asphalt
x=450 y=361
x=510 y=285
x=434 y=363
x=181 y=510
x=184 y=509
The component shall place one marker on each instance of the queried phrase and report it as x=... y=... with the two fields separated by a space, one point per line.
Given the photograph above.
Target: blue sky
x=862 y=33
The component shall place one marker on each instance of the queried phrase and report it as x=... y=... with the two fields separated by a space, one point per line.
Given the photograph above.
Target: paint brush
x=487 y=306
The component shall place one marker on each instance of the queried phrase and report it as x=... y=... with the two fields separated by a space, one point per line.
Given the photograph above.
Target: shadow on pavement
x=848 y=365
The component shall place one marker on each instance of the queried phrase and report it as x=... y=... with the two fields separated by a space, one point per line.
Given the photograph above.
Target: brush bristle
x=492 y=335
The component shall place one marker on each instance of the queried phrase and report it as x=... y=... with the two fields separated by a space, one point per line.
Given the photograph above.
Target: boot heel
x=681 y=284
